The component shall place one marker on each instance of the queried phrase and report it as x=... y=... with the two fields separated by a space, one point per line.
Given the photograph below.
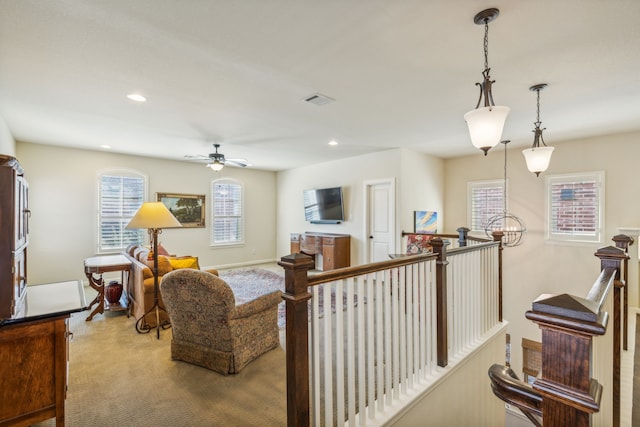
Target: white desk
x=52 y=298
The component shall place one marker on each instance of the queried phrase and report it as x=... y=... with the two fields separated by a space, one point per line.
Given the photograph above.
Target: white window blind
x=120 y=197
x=228 y=214
x=485 y=199
x=575 y=207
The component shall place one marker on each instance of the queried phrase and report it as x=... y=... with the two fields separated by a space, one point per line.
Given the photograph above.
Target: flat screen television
x=324 y=205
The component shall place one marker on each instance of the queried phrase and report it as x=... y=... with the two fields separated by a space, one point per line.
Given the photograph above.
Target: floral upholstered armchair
x=209 y=329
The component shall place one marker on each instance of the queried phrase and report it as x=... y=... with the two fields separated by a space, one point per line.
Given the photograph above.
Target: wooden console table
x=330 y=251
x=94 y=267
x=34 y=355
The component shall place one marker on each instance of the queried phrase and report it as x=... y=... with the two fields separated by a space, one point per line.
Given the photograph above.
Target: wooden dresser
x=330 y=251
x=34 y=355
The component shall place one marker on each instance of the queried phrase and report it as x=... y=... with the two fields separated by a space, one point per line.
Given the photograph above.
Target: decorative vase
x=113 y=292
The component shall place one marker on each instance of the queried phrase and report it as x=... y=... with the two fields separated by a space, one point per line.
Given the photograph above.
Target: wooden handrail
x=507 y=386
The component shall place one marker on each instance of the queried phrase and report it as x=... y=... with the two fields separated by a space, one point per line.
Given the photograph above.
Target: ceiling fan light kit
x=487 y=122
x=537 y=157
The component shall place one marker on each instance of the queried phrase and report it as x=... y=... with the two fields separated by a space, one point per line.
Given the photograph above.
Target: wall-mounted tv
x=324 y=205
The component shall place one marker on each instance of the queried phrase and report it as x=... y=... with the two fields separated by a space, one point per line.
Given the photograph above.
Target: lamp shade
x=485 y=126
x=538 y=158
x=153 y=215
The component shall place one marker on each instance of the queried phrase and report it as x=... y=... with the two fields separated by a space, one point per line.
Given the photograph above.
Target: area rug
x=248 y=284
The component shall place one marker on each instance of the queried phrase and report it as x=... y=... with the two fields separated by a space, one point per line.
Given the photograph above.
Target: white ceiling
x=236 y=72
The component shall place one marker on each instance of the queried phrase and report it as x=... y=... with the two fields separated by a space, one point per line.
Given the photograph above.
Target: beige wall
x=7 y=143
x=63 y=201
x=419 y=186
x=538 y=266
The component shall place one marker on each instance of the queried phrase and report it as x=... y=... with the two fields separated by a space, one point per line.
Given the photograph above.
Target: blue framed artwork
x=426 y=222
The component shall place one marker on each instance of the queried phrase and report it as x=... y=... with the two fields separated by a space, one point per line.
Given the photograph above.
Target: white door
x=380 y=219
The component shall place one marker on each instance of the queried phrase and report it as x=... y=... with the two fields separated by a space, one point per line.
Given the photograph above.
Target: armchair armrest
x=259 y=304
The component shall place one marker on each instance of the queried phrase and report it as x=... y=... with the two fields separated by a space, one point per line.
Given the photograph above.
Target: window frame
x=214 y=217
x=489 y=183
x=123 y=172
x=569 y=238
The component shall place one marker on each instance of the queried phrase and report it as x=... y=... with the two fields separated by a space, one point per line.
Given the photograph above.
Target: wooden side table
x=94 y=267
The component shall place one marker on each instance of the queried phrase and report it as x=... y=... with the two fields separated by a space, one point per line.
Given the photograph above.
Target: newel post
x=613 y=257
x=440 y=249
x=296 y=297
x=497 y=237
x=463 y=232
x=568 y=325
x=623 y=242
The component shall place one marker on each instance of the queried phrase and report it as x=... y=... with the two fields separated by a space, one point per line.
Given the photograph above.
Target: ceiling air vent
x=318 y=99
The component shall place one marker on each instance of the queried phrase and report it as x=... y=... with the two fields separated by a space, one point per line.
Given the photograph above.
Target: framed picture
x=187 y=208
x=426 y=222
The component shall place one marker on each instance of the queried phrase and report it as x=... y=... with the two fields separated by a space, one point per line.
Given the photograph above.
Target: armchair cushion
x=164 y=265
x=184 y=262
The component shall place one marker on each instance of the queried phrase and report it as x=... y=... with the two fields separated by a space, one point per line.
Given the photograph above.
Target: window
x=574 y=207
x=228 y=215
x=121 y=193
x=485 y=199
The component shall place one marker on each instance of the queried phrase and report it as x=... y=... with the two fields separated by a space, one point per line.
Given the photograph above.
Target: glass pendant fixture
x=486 y=123
x=537 y=157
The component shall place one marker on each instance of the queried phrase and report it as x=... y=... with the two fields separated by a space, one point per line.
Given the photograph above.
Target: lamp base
x=143 y=327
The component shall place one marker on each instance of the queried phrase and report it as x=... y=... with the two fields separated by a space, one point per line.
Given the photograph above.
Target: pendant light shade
x=487 y=122
x=537 y=157
x=486 y=125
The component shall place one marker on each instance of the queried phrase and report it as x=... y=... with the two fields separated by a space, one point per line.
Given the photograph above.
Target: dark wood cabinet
x=330 y=251
x=33 y=366
x=14 y=237
x=34 y=355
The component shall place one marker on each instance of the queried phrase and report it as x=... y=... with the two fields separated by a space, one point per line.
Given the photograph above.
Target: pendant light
x=486 y=123
x=512 y=227
x=537 y=157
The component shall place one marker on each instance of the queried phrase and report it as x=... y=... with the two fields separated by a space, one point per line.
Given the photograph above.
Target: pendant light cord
x=486 y=45
x=504 y=188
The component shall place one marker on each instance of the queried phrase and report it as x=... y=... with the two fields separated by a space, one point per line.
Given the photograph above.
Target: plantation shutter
x=574 y=207
x=120 y=198
x=228 y=221
x=486 y=199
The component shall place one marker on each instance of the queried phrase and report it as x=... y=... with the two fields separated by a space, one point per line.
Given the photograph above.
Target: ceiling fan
x=216 y=161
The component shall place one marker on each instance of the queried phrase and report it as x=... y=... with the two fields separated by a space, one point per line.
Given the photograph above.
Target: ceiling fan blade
x=196 y=157
x=243 y=163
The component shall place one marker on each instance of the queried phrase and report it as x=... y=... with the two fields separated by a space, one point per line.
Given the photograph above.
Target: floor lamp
x=154 y=216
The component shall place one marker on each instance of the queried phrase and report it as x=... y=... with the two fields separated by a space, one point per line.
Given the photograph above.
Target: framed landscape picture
x=426 y=222
x=187 y=208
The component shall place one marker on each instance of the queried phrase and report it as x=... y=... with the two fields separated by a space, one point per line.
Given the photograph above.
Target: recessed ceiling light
x=105 y=146
x=333 y=142
x=136 y=97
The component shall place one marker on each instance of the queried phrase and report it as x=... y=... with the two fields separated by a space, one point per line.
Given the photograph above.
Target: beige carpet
x=118 y=377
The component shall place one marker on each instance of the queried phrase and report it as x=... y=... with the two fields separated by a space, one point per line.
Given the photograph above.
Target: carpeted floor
x=118 y=377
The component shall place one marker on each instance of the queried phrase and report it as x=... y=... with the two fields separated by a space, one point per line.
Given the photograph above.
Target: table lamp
x=154 y=216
